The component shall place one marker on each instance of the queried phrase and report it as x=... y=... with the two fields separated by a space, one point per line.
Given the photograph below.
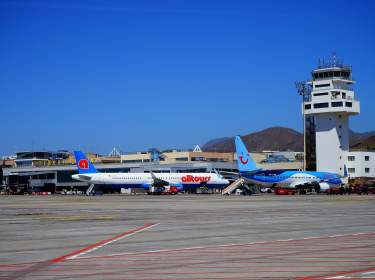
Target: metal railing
x=339 y=97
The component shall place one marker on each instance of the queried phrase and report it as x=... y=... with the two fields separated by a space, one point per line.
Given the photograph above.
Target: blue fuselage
x=285 y=178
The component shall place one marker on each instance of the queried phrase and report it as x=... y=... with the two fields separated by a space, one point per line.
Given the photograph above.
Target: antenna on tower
x=303 y=89
x=334 y=59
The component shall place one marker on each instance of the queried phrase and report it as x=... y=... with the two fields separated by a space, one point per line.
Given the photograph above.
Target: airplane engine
x=324 y=187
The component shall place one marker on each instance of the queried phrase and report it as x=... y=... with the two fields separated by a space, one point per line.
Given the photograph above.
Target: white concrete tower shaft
x=328 y=106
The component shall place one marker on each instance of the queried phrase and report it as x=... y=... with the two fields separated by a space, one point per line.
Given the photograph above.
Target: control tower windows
x=321 y=94
x=336 y=104
x=321 y=105
x=322 y=85
x=335 y=94
x=332 y=74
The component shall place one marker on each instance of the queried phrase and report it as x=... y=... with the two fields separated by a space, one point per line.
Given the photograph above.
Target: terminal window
x=351 y=170
x=367 y=158
x=351 y=158
x=367 y=170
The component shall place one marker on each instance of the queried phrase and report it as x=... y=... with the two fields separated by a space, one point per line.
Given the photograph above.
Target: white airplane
x=162 y=182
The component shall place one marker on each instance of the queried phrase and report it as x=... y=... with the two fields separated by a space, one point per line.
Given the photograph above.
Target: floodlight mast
x=303 y=90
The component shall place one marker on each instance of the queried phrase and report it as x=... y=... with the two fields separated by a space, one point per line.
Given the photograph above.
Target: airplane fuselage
x=291 y=179
x=145 y=180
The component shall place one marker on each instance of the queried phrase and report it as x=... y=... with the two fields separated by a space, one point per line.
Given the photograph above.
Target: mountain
x=218 y=141
x=357 y=137
x=283 y=139
x=274 y=138
x=367 y=144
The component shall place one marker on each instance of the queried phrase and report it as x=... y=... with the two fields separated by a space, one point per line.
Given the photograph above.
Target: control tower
x=328 y=103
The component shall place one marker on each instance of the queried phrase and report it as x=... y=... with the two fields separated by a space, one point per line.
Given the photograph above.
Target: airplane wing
x=302 y=182
x=236 y=173
x=227 y=173
x=252 y=171
x=157 y=182
x=84 y=177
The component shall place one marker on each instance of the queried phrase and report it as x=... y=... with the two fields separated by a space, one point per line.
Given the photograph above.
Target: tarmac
x=187 y=237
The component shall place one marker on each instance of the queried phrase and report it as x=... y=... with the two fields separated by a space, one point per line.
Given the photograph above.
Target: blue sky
x=137 y=74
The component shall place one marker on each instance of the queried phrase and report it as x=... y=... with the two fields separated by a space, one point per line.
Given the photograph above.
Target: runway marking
x=133 y=262
x=39 y=266
x=223 y=245
x=363 y=274
x=100 y=244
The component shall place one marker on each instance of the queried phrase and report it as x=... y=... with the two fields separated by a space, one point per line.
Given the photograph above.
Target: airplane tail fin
x=244 y=160
x=83 y=164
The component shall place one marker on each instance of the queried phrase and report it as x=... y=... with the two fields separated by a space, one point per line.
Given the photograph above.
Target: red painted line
x=20 y=264
x=343 y=273
x=102 y=243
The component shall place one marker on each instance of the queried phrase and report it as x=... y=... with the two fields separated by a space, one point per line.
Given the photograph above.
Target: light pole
x=303 y=91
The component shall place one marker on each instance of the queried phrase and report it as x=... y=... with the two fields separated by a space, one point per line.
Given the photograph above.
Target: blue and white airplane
x=162 y=182
x=248 y=170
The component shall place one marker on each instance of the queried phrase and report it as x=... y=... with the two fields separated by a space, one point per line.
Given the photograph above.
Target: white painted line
x=110 y=242
x=225 y=246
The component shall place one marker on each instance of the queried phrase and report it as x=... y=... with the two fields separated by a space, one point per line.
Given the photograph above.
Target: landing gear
x=203 y=188
x=317 y=188
x=308 y=189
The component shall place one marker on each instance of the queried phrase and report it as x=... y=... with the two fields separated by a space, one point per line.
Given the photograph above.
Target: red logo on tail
x=83 y=164
x=244 y=161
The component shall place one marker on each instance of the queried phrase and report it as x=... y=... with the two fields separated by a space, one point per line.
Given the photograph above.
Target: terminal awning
x=31 y=173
